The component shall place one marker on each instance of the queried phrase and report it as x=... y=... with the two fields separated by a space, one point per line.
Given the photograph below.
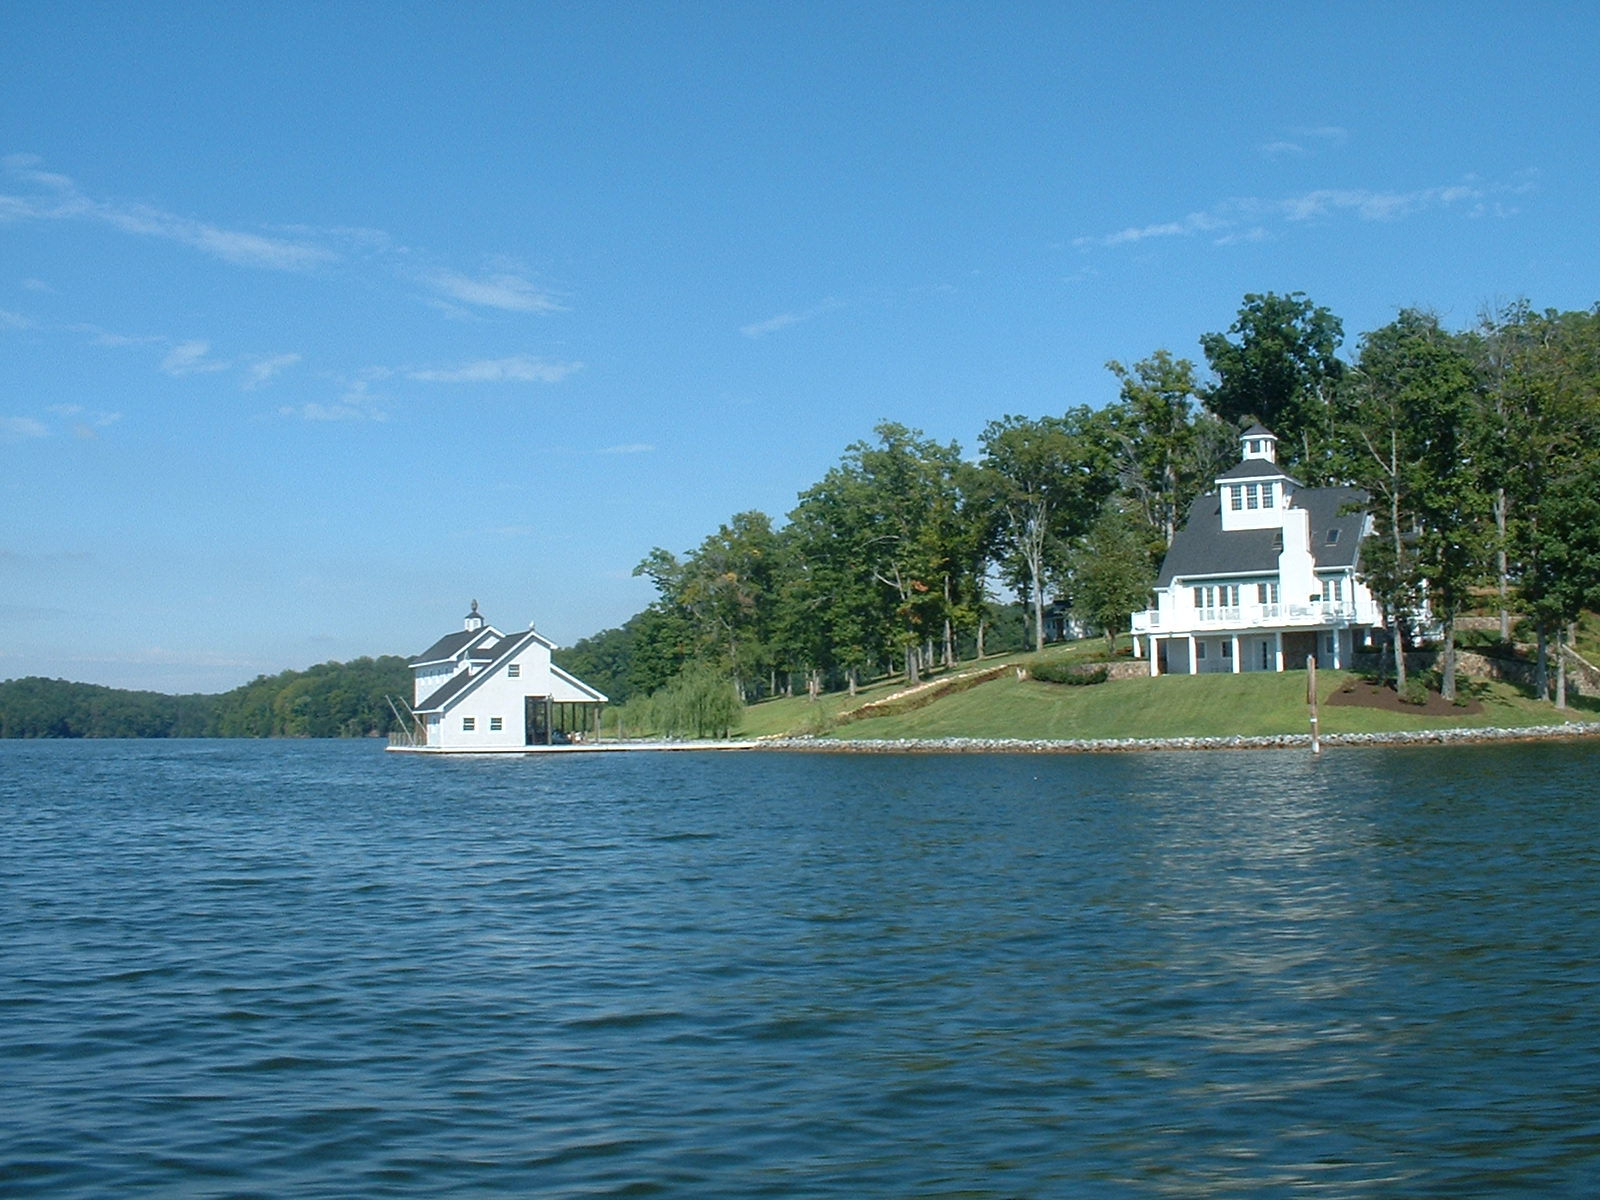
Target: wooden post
x=1311 y=699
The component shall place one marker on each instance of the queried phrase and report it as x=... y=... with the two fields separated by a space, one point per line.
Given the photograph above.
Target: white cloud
x=14 y=320
x=630 y=448
x=356 y=404
x=1284 y=150
x=757 y=329
x=21 y=429
x=506 y=291
x=189 y=358
x=260 y=370
x=57 y=198
x=88 y=424
x=105 y=337
x=519 y=368
x=1251 y=218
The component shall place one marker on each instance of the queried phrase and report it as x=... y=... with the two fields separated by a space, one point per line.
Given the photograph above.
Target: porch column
x=1155 y=654
x=1277 y=662
x=1237 y=664
x=1194 y=663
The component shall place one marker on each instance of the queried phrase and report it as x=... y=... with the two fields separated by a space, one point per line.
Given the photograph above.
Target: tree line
x=1479 y=449
x=328 y=700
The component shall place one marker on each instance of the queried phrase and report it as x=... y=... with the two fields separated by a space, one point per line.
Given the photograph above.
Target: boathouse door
x=536 y=720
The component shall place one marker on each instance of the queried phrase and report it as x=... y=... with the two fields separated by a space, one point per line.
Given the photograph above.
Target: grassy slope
x=1172 y=706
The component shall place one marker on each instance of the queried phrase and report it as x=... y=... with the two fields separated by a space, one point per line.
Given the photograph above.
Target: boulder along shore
x=1284 y=741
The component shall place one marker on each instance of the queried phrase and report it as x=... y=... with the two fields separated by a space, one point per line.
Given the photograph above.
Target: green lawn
x=1182 y=706
x=799 y=715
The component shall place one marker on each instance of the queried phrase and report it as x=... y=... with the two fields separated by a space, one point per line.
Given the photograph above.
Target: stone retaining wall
x=1286 y=741
x=1582 y=679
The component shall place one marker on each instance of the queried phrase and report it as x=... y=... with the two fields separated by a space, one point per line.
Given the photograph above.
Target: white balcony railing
x=1249 y=616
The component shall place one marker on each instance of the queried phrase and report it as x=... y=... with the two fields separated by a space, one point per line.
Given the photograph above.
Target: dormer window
x=1333 y=537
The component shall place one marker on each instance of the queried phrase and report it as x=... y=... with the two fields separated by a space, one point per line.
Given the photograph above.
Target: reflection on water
x=313 y=970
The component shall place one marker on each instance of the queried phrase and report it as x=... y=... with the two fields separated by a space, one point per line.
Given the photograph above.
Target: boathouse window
x=513 y=671
x=496 y=724
x=469 y=723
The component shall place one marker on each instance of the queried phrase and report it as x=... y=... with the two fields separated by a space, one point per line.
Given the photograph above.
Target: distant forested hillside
x=328 y=700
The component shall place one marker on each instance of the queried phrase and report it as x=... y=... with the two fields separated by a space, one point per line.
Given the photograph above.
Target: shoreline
x=1574 y=731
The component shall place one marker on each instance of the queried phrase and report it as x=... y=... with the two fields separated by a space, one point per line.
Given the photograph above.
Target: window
x=1267 y=490
x=1236 y=498
x=1227 y=649
x=496 y=724
x=1252 y=495
x=514 y=671
x=1230 y=595
x=1332 y=591
x=469 y=723
x=1333 y=537
x=1199 y=650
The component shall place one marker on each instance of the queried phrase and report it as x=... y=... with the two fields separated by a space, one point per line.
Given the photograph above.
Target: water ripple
x=311 y=970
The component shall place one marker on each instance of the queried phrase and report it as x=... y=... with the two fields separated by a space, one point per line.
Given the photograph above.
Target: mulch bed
x=1358 y=694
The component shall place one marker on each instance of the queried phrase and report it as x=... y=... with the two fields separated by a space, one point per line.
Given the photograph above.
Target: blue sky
x=317 y=322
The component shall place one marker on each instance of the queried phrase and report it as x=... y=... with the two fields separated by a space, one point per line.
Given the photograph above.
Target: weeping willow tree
x=700 y=702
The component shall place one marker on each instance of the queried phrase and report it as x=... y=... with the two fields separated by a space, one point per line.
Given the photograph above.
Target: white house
x=1262 y=575
x=480 y=689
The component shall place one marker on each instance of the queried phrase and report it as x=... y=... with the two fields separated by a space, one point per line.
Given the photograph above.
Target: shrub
x=1068 y=674
x=1416 y=692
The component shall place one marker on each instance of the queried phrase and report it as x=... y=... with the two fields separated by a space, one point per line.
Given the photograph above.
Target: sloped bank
x=1285 y=741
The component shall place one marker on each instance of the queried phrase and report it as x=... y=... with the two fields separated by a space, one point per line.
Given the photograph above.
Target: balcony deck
x=1247 y=617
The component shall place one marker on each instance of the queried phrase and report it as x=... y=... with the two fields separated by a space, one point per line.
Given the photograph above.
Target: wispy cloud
x=504 y=290
x=356 y=403
x=1255 y=219
x=629 y=448
x=786 y=320
x=190 y=358
x=519 y=368
x=22 y=429
x=14 y=320
x=86 y=424
x=1306 y=140
x=259 y=371
x=55 y=197
x=107 y=338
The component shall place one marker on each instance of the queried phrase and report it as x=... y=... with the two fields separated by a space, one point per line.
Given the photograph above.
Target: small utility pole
x=1311 y=699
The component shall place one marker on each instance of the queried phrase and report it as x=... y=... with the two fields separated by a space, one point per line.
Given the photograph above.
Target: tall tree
x=1043 y=480
x=1280 y=367
x=1540 y=406
x=892 y=506
x=1411 y=446
x=1113 y=577
x=1167 y=453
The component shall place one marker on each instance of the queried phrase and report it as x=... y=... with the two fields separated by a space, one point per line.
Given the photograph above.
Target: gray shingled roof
x=1201 y=548
x=1257 y=468
x=463 y=680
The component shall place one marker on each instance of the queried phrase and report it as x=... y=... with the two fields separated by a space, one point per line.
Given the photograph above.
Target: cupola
x=474 y=621
x=1258 y=442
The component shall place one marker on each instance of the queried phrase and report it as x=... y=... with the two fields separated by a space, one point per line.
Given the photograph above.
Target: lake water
x=301 y=969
